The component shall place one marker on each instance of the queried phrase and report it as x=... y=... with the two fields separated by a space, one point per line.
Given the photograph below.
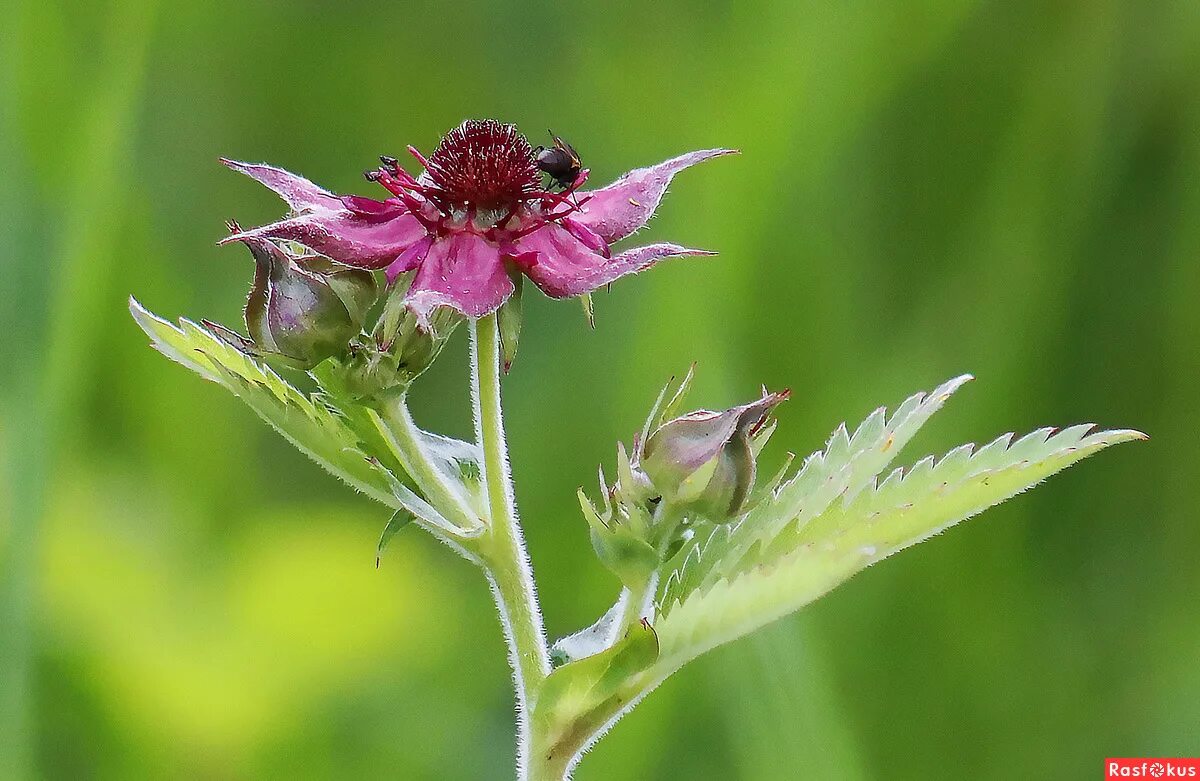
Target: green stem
x=551 y=766
x=404 y=437
x=565 y=725
x=638 y=595
x=559 y=742
x=503 y=547
x=636 y=598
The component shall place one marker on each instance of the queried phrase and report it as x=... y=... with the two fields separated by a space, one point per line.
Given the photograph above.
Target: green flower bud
x=705 y=460
x=620 y=541
x=398 y=351
x=356 y=288
x=303 y=308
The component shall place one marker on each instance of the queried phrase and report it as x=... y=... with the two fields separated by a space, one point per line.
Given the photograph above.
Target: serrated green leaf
x=415 y=504
x=835 y=519
x=312 y=427
x=460 y=462
x=847 y=463
x=171 y=341
x=908 y=508
x=451 y=466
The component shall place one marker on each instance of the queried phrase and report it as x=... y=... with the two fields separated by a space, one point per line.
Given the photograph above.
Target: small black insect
x=560 y=162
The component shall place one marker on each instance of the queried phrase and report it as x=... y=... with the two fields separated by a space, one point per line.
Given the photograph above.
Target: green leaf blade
x=171 y=341
x=723 y=588
x=309 y=425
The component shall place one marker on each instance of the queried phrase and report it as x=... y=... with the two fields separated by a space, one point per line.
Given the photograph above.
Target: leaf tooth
x=806 y=471
x=1031 y=444
x=758 y=552
x=944 y=391
x=992 y=449
x=838 y=446
x=906 y=409
x=955 y=464
x=920 y=407
x=870 y=429
x=689 y=562
x=920 y=470
x=1071 y=435
x=892 y=480
x=1113 y=437
x=770 y=488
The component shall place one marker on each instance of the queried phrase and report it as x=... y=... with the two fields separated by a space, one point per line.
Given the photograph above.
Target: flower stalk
x=637 y=596
x=502 y=549
x=404 y=437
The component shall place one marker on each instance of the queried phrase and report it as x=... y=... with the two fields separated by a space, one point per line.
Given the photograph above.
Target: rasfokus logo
x=1151 y=767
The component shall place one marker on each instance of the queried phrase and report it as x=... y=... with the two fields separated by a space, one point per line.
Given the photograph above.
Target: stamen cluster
x=483 y=169
x=483 y=163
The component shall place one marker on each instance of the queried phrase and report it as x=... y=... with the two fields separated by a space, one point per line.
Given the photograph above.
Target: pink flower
x=477 y=214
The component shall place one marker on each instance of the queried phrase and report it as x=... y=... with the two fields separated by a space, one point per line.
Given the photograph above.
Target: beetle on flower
x=477 y=215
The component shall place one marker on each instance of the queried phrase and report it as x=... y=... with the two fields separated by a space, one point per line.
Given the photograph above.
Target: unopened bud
x=706 y=460
x=619 y=541
x=304 y=308
x=398 y=351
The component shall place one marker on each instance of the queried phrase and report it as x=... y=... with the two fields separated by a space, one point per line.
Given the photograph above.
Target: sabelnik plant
x=705 y=549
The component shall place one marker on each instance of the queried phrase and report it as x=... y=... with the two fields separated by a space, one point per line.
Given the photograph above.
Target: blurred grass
x=925 y=188
x=46 y=407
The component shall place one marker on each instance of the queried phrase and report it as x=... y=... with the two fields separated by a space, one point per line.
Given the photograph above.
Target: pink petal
x=586 y=235
x=363 y=242
x=296 y=190
x=618 y=210
x=461 y=271
x=363 y=206
x=409 y=259
x=562 y=266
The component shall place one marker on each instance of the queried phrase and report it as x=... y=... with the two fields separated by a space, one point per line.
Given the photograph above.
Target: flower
x=476 y=216
x=706 y=459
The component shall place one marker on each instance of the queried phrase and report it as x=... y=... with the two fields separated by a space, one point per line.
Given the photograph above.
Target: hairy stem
x=405 y=439
x=503 y=547
x=638 y=602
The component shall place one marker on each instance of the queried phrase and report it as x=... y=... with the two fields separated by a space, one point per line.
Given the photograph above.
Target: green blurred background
x=927 y=187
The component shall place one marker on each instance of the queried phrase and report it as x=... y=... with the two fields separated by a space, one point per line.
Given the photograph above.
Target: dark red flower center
x=484 y=164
